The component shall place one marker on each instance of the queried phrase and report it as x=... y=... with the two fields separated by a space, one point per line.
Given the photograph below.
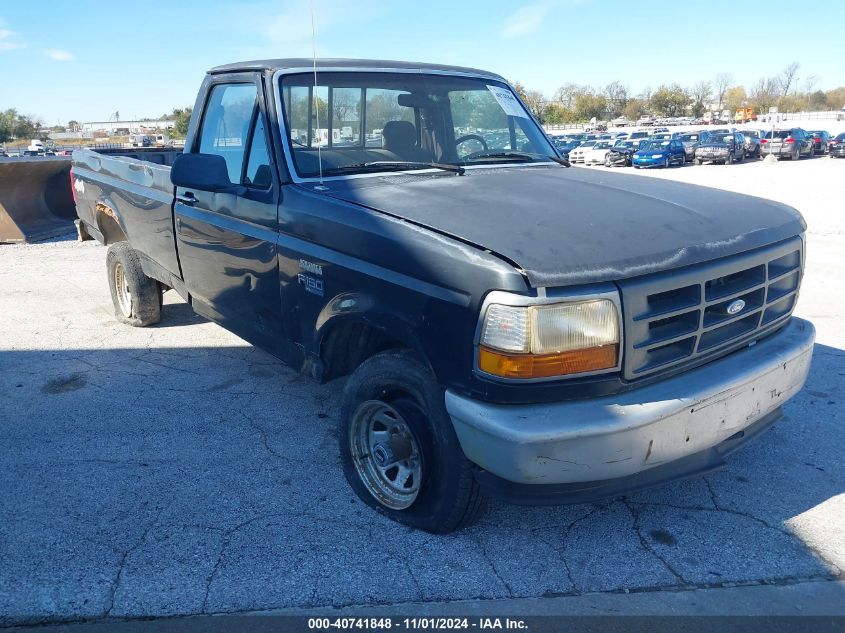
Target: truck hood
x=573 y=226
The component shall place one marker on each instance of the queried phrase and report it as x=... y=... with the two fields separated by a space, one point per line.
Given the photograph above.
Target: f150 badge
x=311 y=284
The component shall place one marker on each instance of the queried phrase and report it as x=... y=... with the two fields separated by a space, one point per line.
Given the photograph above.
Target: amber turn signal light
x=547 y=365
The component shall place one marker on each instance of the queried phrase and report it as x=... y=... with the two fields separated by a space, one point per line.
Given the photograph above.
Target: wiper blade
x=511 y=155
x=397 y=165
x=521 y=156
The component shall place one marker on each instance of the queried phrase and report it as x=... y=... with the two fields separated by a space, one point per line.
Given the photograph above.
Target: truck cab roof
x=306 y=63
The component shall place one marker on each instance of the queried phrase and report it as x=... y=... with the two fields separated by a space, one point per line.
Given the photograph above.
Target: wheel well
x=349 y=344
x=107 y=223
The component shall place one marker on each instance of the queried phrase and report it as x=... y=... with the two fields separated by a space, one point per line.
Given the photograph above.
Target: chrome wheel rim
x=386 y=454
x=124 y=295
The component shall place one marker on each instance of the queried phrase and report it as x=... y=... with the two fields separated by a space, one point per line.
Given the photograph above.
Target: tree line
x=14 y=125
x=573 y=103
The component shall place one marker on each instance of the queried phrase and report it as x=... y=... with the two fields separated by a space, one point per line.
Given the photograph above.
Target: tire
x=730 y=160
x=607 y=162
x=395 y=387
x=136 y=297
x=667 y=163
x=696 y=161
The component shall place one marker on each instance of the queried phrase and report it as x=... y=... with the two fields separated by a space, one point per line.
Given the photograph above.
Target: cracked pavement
x=177 y=470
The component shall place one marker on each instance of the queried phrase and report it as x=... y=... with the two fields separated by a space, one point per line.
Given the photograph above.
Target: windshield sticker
x=508 y=102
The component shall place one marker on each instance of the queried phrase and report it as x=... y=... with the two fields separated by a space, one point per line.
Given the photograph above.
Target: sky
x=86 y=59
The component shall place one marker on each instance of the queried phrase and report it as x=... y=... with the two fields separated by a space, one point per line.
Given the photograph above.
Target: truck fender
x=109 y=223
x=353 y=326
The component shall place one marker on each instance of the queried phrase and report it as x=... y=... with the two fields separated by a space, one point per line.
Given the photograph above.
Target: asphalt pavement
x=176 y=470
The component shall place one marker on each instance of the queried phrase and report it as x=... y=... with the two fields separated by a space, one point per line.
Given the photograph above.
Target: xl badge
x=735 y=307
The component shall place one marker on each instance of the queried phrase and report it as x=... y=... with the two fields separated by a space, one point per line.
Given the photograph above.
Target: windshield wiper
x=521 y=156
x=395 y=165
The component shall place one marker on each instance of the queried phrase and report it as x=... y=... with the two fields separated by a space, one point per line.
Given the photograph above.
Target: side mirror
x=203 y=172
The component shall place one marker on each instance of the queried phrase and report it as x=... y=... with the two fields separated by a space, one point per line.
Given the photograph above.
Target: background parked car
x=836 y=147
x=577 y=154
x=820 y=140
x=597 y=154
x=691 y=141
x=621 y=154
x=793 y=143
x=565 y=147
x=721 y=149
x=752 y=142
x=657 y=153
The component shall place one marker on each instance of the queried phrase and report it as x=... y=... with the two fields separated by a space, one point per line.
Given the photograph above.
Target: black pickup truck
x=505 y=326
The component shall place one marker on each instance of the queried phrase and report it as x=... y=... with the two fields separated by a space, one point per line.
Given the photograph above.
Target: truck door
x=227 y=242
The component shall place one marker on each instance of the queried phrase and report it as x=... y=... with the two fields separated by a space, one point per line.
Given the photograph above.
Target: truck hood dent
x=574 y=226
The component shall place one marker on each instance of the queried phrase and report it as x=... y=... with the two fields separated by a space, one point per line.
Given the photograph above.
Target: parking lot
x=177 y=470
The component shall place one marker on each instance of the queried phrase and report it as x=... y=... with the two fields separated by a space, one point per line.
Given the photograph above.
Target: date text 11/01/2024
x=422 y=623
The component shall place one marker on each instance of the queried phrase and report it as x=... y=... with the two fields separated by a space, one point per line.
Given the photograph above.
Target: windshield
x=689 y=137
x=654 y=145
x=374 y=121
x=722 y=138
x=625 y=144
x=602 y=145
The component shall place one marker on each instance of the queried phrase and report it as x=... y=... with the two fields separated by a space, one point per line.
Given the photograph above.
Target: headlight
x=550 y=340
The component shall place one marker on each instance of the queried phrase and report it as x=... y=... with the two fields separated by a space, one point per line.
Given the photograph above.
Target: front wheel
x=399 y=449
x=666 y=163
x=137 y=298
x=730 y=159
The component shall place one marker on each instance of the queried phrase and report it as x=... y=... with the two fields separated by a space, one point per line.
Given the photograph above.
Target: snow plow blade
x=36 y=202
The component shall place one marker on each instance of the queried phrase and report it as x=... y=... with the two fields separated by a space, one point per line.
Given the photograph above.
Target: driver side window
x=225 y=126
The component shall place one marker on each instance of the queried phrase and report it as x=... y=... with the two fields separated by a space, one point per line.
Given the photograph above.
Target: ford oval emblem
x=735 y=307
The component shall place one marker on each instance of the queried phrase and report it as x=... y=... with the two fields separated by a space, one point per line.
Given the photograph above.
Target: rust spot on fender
x=106 y=210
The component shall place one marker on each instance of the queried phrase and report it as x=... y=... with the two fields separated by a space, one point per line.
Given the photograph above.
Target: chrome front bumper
x=622 y=435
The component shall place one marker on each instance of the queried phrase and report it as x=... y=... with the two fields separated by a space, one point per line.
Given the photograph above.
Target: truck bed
x=128 y=192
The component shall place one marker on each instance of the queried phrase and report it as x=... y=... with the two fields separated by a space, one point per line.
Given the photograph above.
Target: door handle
x=187 y=199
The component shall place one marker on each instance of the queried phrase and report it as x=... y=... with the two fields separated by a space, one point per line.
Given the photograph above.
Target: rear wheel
x=136 y=297
x=399 y=449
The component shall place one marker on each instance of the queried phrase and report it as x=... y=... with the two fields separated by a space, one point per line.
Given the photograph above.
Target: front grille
x=682 y=317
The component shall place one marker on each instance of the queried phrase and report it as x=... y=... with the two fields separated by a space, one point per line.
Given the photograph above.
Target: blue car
x=659 y=153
